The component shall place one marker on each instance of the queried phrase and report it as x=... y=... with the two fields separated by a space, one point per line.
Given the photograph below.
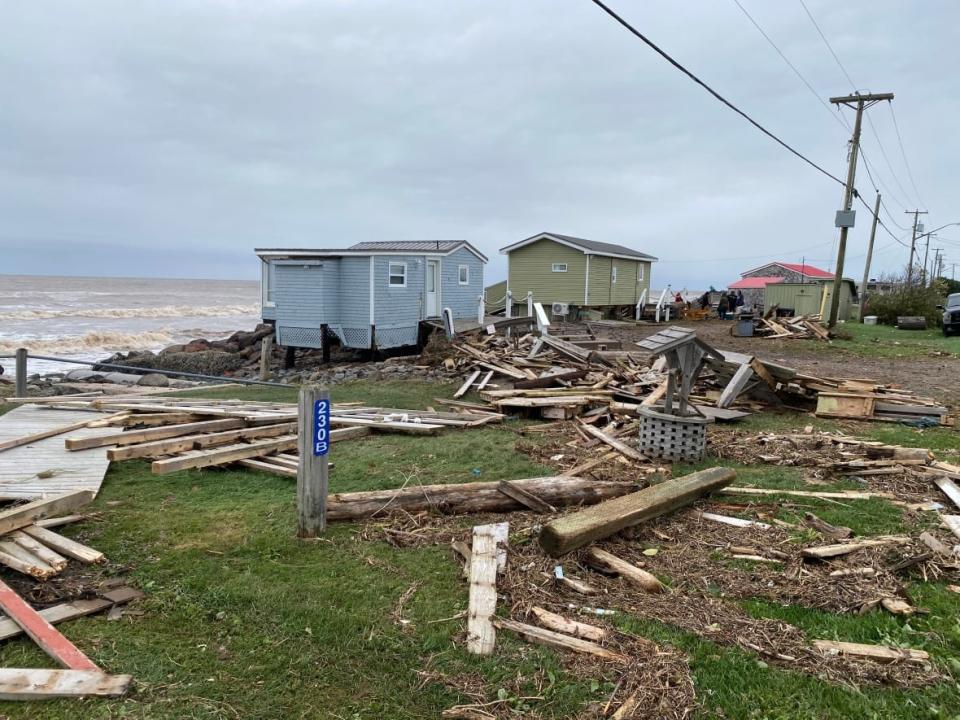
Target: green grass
x=884 y=341
x=243 y=620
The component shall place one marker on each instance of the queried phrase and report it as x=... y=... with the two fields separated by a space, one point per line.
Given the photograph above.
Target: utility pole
x=845 y=217
x=926 y=254
x=936 y=270
x=866 y=267
x=913 y=242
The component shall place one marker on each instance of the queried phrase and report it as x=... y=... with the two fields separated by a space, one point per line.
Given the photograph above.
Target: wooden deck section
x=21 y=468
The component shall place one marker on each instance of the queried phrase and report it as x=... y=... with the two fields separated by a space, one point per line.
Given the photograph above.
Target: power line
x=903 y=154
x=747 y=257
x=839 y=118
x=892 y=218
x=713 y=92
x=853 y=85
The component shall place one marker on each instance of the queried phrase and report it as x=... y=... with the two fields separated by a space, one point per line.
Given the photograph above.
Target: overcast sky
x=170 y=138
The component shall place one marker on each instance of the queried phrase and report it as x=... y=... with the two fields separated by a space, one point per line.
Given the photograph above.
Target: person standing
x=723 y=306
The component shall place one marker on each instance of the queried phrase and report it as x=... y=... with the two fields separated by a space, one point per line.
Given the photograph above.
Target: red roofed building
x=755 y=283
x=790 y=272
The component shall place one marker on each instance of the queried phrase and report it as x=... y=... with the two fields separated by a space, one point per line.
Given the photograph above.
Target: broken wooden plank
x=837 y=531
x=231 y=453
x=949 y=488
x=73 y=609
x=64 y=545
x=472 y=497
x=48 y=556
x=880 y=653
x=541 y=636
x=840 y=495
x=523 y=497
x=269 y=467
x=197 y=442
x=32 y=566
x=577 y=529
x=736 y=386
x=481 y=634
x=40 y=684
x=735 y=521
x=617 y=445
x=952 y=523
x=44 y=434
x=23 y=515
x=158 y=433
x=639 y=577
x=42 y=632
x=935 y=545
x=462 y=390
x=560 y=624
x=822 y=552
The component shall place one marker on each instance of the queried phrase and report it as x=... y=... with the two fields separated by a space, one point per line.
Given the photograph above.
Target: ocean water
x=91 y=318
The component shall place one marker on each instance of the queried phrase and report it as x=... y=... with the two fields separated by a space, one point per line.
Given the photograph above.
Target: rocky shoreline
x=237 y=356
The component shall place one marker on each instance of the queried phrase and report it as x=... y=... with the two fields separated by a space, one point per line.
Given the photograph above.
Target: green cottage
x=568 y=274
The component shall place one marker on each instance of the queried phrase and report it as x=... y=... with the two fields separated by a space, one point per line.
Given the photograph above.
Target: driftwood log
x=472 y=497
x=577 y=529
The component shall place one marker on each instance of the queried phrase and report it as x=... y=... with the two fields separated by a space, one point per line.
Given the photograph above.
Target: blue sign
x=321 y=427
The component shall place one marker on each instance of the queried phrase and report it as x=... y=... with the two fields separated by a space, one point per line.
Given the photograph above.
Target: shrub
x=916 y=301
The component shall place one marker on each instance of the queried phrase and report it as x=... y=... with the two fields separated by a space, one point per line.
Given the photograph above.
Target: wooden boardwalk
x=21 y=468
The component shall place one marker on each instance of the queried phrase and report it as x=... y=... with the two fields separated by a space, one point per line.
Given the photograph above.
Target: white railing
x=661 y=305
x=543 y=323
x=641 y=304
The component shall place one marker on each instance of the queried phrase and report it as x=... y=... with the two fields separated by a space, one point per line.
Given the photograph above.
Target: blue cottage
x=370 y=295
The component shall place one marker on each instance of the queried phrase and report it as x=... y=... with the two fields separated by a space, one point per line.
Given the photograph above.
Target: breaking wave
x=96 y=340
x=163 y=311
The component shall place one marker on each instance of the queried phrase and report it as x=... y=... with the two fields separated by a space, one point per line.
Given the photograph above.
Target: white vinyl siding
x=398 y=275
x=463 y=274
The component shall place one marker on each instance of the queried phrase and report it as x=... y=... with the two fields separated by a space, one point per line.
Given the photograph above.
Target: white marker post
x=314 y=444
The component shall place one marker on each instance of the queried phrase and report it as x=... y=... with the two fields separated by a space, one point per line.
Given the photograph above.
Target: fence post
x=266 y=350
x=529 y=303
x=21 y=373
x=314 y=444
x=481 y=308
x=508 y=311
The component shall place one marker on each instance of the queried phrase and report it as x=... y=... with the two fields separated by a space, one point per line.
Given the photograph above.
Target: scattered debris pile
x=806 y=327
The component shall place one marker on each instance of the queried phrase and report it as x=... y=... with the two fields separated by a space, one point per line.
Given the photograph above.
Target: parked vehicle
x=951 y=313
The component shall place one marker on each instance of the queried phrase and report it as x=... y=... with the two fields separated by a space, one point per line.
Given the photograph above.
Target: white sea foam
x=103 y=341
x=162 y=311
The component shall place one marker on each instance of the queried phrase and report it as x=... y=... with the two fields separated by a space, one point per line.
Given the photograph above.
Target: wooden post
x=21 y=374
x=266 y=350
x=312 y=469
x=324 y=345
x=289 y=357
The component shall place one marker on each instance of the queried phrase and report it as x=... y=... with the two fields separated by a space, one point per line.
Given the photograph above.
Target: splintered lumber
x=523 y=497
x=828 y=551
x=862 y=571
x=74 y=609
x=37 y=684
x=949 y=488
x=952 y=523
x=579 y=528
x=935 y=545
x=64 y=545
x=617 y=445
x=23 y=562
x=269 y=467
x=412 y=428
x=656 y=394
x=545 y=381
x=58 y=521
x=736 y=385
x=627 y=708
x=48 y=556
x=481 y=634
x=840 y=495
x=880 y=653
x=472 y=497
x=42 y=632
x=197 y=442
x=735 y=521
x=540 y=636
x=838 y=531
x=629 y=571
x=231 y=453
x=895 y=606
x=560 y=624
x=159 y=433
x=462 y=390
x=23 y=515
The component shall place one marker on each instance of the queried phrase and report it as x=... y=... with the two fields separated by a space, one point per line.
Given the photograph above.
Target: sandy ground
x=932 y=376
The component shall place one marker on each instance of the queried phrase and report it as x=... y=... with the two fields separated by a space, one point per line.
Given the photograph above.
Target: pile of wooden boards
x=800 y=327
x=181 y=434
x=29 y=546
x=866 y=400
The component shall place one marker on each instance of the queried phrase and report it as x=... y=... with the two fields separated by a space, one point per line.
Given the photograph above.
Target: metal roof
x=385 y=247
x=802 y=268
x=755 y=283
x=589 y=247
